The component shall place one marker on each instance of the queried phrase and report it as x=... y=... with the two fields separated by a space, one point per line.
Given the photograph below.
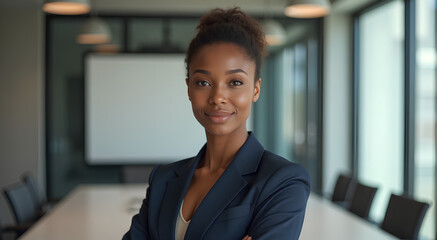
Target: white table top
x=91 y=212
x=101 y=212
x=327 y=221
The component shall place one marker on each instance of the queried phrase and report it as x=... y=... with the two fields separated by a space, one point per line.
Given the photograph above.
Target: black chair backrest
x=32 y=186
x=404 y=217
x=362 y=199
x=342 y=189
x=20 y=200
x=135 y=174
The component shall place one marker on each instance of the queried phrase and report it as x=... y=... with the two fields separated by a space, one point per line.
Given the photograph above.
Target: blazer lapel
x=226 y=188
x=220 y=195
x=174 y=193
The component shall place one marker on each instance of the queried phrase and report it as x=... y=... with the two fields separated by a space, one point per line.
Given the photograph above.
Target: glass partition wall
x=281 y=121
x=288 y=113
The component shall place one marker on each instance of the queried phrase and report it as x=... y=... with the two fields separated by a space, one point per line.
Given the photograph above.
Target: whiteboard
x=137 y=110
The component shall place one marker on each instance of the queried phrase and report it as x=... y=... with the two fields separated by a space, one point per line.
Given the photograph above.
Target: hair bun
x=234 y=26
x=234 y=16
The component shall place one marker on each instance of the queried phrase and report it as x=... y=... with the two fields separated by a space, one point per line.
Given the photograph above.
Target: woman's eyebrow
x=238 y=70
x=202 y=72
x=232 y=71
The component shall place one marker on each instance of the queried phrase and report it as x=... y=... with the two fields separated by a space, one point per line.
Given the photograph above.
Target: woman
x=233 y=189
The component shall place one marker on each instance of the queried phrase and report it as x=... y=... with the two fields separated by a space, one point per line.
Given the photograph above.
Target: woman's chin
x=218 y=131
x=224 y=130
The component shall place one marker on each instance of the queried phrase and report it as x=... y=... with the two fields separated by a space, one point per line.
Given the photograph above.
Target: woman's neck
x=221 y=150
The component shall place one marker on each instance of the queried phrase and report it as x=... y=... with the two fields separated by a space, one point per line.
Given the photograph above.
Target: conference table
x=325 y=220
x=97 y=212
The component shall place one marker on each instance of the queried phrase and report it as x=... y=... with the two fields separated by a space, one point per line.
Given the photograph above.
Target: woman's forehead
x=222 y=57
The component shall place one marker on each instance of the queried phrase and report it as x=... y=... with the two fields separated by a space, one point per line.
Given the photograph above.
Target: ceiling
x=189 y=6
x=181 y=7
x=167 y=6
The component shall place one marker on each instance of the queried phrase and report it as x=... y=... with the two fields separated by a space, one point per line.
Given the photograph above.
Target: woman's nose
x=218 y=95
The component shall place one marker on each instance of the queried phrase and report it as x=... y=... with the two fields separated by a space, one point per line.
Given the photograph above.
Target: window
x=424 y=182
x=381 y=102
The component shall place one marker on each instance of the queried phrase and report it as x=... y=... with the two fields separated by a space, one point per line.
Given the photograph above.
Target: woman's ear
x=187 y=81
x=256 y=90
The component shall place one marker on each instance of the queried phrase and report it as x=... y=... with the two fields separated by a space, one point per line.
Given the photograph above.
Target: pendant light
x=307 y=8
x=66 y=7
x=107 y=48
x=273 y=30
x=275 y=33
x=94 y=31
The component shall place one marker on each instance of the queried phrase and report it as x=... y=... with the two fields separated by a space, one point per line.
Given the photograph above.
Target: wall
x=337 y=98
x=21 y=97
x=338 y=90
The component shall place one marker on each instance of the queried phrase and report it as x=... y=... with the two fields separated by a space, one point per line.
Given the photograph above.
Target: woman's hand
x=247 y=237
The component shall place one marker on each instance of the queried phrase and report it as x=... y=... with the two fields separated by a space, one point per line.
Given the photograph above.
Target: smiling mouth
x=219 y=117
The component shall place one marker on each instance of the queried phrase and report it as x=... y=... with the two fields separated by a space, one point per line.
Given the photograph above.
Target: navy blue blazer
x=259 y=194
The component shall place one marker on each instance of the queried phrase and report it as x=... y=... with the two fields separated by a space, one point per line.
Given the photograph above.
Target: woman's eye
x=202 y=83
x=236 y=83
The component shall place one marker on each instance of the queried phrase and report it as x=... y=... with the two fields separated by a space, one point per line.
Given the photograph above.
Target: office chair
x=404 y=217
x=135 y=174
x=362 y=199
x=32 y=187
x=24 y=209
x=41 y=202
x=12 y=232
x=342 y=190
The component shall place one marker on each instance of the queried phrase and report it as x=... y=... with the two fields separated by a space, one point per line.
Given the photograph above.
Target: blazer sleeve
x=140 y=222
x=283 y=200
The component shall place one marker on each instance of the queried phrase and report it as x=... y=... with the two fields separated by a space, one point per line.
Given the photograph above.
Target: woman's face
x=221 y=87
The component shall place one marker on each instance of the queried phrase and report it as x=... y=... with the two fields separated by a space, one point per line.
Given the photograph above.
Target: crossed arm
x=281 y=213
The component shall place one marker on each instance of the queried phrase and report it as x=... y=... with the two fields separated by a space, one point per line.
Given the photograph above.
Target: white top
x=181 y=225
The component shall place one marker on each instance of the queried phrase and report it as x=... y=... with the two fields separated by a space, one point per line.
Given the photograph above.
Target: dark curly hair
x=230 y=26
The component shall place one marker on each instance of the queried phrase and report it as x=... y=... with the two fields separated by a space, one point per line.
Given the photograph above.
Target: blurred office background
x=353 y=92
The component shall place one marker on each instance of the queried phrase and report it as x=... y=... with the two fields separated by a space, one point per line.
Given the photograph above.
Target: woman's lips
x=219 y=117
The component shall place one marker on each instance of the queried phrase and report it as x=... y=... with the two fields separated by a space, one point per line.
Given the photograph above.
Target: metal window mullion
x=435 y=128
x=320 y=87
x=355 y=86
x=409 y=108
